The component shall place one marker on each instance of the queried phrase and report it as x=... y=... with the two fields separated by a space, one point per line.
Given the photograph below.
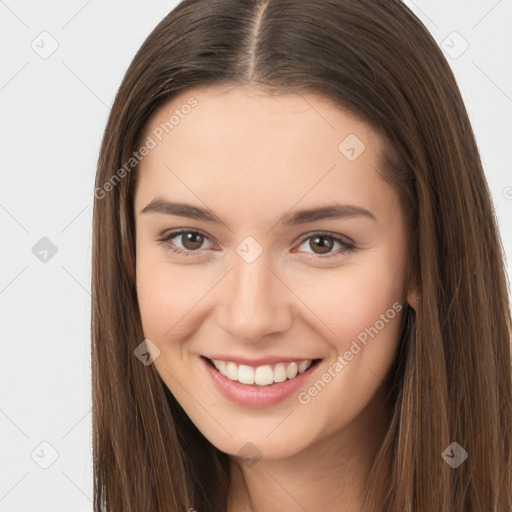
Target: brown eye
x=321 y=244
x=325 y=245
x=192 y=241
x=184 y=242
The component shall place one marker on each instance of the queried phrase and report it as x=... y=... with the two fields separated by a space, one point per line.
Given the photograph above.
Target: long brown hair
x=451 y=379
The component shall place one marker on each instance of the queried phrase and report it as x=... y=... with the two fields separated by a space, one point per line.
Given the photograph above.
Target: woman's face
x=291 y=253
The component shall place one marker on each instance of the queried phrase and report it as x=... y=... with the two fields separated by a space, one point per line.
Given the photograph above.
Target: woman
x=299 y=294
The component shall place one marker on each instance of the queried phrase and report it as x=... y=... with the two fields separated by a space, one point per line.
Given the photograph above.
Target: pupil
x=324 y=247
x=193 y=241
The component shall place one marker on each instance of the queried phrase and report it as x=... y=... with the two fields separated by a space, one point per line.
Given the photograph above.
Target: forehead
x=245 y=110
x=255 y=146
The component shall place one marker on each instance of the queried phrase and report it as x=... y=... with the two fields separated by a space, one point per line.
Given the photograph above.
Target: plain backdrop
x=61 y=64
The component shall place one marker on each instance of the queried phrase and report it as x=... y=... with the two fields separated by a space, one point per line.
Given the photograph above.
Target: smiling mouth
x=262 y=376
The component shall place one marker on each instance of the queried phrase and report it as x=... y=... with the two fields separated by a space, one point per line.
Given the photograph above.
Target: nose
x=255 y=301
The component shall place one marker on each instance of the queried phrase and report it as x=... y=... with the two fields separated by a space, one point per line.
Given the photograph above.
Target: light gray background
x=53 y=111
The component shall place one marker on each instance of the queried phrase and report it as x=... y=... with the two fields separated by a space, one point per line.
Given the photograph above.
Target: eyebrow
x=332 y=211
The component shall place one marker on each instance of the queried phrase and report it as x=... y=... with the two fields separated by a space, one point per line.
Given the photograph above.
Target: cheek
x=364 y=313
x=165 y=295
x=173 y=299
x=349 y=301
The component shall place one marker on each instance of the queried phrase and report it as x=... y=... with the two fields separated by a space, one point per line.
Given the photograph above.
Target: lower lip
x=254 y=396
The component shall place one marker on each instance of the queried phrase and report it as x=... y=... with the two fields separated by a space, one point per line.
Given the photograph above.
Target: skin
x=250 y=158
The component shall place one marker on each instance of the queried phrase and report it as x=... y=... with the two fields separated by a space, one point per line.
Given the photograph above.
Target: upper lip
x=259 y=361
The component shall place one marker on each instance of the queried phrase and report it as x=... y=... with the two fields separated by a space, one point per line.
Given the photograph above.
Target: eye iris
x=192 y=241
x=323 y=247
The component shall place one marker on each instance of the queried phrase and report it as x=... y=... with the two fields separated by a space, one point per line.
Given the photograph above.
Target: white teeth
x=261 y=375
x=245 y=374
x=292 y=370
x=304 y=365
x=231 y=371
x=280 y=373
x=221 y=366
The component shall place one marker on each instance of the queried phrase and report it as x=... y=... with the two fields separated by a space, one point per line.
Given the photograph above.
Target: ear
x=413 y=293
x=413 y=282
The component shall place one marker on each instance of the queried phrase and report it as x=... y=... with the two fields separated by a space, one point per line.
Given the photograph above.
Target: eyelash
x=347 y=246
